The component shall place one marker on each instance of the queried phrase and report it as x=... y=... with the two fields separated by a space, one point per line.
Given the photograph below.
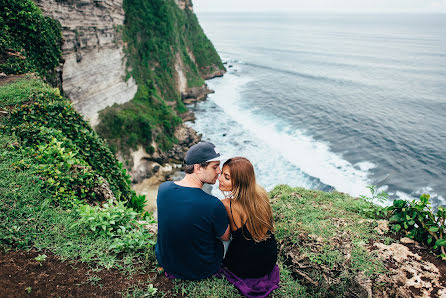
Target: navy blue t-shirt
x=190 y=222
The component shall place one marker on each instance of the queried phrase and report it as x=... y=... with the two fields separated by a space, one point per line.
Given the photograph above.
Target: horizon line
x=325 y=12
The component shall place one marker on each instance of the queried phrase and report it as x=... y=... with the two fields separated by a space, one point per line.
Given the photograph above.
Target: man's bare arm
x=226 y=235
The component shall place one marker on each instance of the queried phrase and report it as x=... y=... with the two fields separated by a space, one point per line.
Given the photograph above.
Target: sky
x=346 y=6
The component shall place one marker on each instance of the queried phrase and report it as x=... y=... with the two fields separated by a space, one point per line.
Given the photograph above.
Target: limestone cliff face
x=94 y=68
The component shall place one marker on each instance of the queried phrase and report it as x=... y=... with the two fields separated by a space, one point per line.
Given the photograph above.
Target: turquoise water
x=330 y=101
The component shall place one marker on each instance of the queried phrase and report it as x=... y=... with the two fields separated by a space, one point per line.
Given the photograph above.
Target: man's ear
x=197 y=167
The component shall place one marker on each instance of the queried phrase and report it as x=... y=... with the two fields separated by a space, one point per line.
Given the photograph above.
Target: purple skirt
x=259 y=287
x=255 y=287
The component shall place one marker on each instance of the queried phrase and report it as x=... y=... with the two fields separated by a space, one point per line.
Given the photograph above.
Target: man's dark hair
x=189 y=169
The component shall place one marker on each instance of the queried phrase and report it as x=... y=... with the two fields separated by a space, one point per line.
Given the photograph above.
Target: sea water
x=332 y=101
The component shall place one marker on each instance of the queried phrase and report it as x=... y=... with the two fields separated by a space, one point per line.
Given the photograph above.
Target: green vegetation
x=158 y=36
x=51 y=165
x=325 y=239
x=62 y=145
x=40 y=259
x=204 y=53
x=421 y=222
x=142 y=121
x=29 y=42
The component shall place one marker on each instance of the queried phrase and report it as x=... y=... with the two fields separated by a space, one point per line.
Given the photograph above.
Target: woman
x=253 y=250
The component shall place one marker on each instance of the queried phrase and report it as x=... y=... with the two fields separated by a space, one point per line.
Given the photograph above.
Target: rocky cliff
x=94 y=69
x=149 y=58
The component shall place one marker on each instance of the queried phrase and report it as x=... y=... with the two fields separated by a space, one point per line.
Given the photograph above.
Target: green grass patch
x=22 y=90
x=325 y=236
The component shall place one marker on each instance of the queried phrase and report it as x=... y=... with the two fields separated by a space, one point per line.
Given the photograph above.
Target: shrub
x=420 y=222
x=29 y=42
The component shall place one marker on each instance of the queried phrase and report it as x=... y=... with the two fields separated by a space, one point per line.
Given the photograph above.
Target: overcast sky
x=320 y=5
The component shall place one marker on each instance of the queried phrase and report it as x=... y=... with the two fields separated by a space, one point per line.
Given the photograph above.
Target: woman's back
x=246 y=257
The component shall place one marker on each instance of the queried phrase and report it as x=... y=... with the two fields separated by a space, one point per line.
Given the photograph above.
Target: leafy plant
x=136 y=291
x=380 y=197
x=371 y=209
x=41 y=115
x=134 y=238
x=107 y=219
x=420 y=222
x=94 y=280
x=29 y=41
x=151 y=290
x=118 y=222
x=40 y=259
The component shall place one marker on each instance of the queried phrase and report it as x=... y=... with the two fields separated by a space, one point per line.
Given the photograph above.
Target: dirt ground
x=21 y=275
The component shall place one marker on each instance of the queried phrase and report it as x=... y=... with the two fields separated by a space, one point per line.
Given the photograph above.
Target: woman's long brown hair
x=252 y=198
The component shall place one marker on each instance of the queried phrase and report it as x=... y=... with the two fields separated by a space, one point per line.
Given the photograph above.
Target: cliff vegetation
x=29 y=41
x=167 y=51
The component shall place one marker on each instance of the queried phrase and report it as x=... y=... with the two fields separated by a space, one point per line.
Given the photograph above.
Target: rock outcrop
x=163 y=165
x=184 y=4
x=409 y=272
x=94 y=68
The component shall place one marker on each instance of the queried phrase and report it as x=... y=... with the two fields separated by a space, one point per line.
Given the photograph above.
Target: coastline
x=149 y=171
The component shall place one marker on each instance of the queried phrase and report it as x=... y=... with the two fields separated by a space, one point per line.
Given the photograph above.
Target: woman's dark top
x=247 y=258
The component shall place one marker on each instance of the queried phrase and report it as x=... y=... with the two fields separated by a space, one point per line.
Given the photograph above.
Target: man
x=191 y=223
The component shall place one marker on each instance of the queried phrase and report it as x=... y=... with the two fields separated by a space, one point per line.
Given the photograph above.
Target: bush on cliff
x=66 y=149
x=29 y=42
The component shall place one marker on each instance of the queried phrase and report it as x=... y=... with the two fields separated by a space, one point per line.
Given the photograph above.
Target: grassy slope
x=33 y=213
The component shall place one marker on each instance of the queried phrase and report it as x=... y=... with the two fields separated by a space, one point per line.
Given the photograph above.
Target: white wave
x=312 y=157
x=365 y=166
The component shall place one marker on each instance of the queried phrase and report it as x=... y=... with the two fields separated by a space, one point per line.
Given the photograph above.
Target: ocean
x=331 y=101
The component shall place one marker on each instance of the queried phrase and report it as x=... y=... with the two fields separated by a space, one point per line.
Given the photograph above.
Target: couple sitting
x=195 y=228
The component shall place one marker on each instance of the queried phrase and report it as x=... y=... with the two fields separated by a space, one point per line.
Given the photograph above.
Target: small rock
x=383 y=227
x=406 y=240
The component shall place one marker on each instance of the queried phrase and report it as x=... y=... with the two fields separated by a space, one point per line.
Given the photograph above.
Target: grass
x=21 y=91
x=329 y=234
x=220 y=287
